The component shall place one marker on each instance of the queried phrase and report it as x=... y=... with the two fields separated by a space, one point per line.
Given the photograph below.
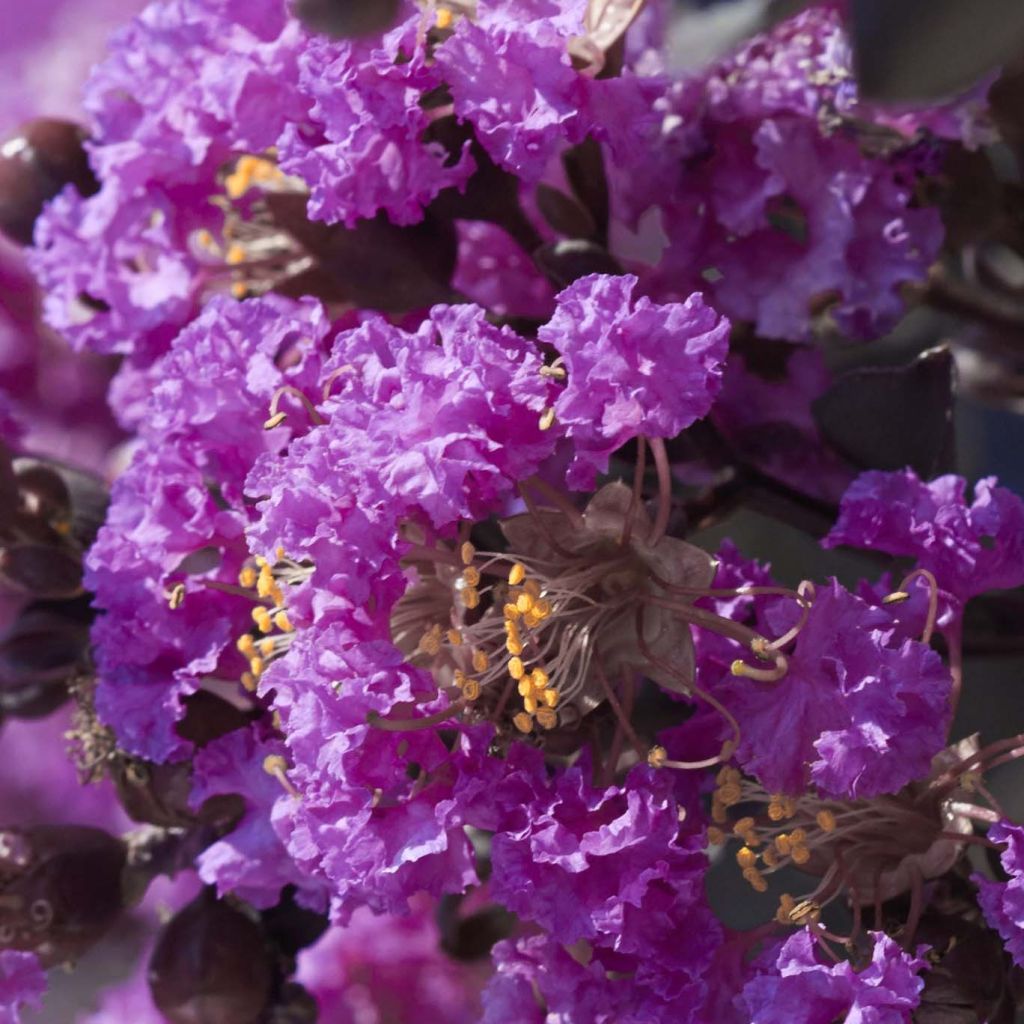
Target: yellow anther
x=895 y=597
x=756 y=879
x=547 y=719
x=276 y=596
x=783 y=845
x=480 y=661
x=176 y=598
x=539 y=678
x=800 y=854
x=745 y=857
x=657 y=756
x=265 y=581
x=283 y=623
x=729 y=794
x=523 y=722
x=513 y=647
x=245 y=645
x=261 y=617
x=235 y=254
x=471 y=574
x=444 y=18
x=524 y=603
x=781 y=807
x=718 y=812
x=511 y=614
x=516 y=574
x=470 y=597
x=530 y=705
x=471 y=689
x=550 y=697
x=525 y=687
x=279 y=552
x=727 y=774
x=430 y=642
x=804 y=912
x=277 y=766
x=716 y=837
x=454 y=638
x=274 y=421
x=743 y=825
x=555 y=372
x=467 y=553
x=516 y=669
x=770 y=857
x=249 y=681
x=547 y=419
x=542 y=608
x=247 y=578
x=239 y=290
x=460 y=678
x=266 y=647
x=531 y=619
x=204 y=239
x=256 y=666
x=798 y=835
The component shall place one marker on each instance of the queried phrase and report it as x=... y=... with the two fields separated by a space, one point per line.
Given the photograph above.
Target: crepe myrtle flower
x=1001 y=901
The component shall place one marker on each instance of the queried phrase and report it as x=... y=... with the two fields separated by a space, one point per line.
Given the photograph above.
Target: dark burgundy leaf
x=376 y=265
x=564 y=214
x=345 y=18
x=42 y=570
x=584 y=167
x=925 y=49
x=883 y=417
x=564 y=262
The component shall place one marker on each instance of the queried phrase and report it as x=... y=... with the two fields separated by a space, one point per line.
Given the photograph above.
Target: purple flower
x=634 y=367
x=970 y=548
x=511 y=76
x=609 y=866
x=390 y=967
x=856 y=713
x=807 y=991
x=22 y=984
x=365 y=151
x=1003 y=902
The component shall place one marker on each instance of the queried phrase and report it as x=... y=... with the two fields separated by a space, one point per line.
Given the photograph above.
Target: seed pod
x=60 y=888
x=211 y=965
x=35 y=164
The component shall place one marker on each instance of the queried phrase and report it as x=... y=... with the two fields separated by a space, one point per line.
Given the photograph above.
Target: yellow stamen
x=516 y=574
x=235 y=254
x=444 y=18
x=266 y=647
x=454 y=638
x=467 y=553
x=261 y=617
x=249 y=681
x=530 y=705
x=470 y=597
x=480 y=661
x=547 y=419
x=716 y=837
x=274 y=421
x=247 y=578
x=283 y=623
x=245 y=645
x=256 y=666
x=826 y=820
x=546 y=718
x=471 y=574
x=515 y=668
x=523 y=722
x=524 y=603
x=745 y=857
x=470 y=689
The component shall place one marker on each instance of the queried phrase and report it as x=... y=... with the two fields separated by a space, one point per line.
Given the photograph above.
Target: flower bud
x=35 y=164
x=60 y=888
x=211 y=965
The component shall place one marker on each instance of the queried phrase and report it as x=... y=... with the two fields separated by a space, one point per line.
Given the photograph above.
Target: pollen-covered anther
x=471 y=576
x=745 y=857
x=283 y=623
x=261 y=617
x=470 y=689
x=547 y=419
x=781 y=807
x=276 y=766
x=516 y=669
x=755 y=879
x=546 y=718
x=896 y=597
x=467 y=553
x=516 y=574
x=247 y=577
x=826 y=820
x=523 y=722
x=176 y=597
x=716 y=837
x=246 y=645
x=274 y=421
x=657 y=756
x=470 y=597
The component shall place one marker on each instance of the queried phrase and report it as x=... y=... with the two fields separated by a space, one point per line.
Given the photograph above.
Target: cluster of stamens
x=272 y=631
x=250 y=255
x=507 y=642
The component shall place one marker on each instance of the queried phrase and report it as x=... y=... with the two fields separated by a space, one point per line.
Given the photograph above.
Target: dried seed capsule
x=35 y=164
x=211 y=965
x=60 y=888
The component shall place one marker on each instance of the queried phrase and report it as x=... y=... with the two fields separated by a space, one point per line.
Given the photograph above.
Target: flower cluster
x=401 y=642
